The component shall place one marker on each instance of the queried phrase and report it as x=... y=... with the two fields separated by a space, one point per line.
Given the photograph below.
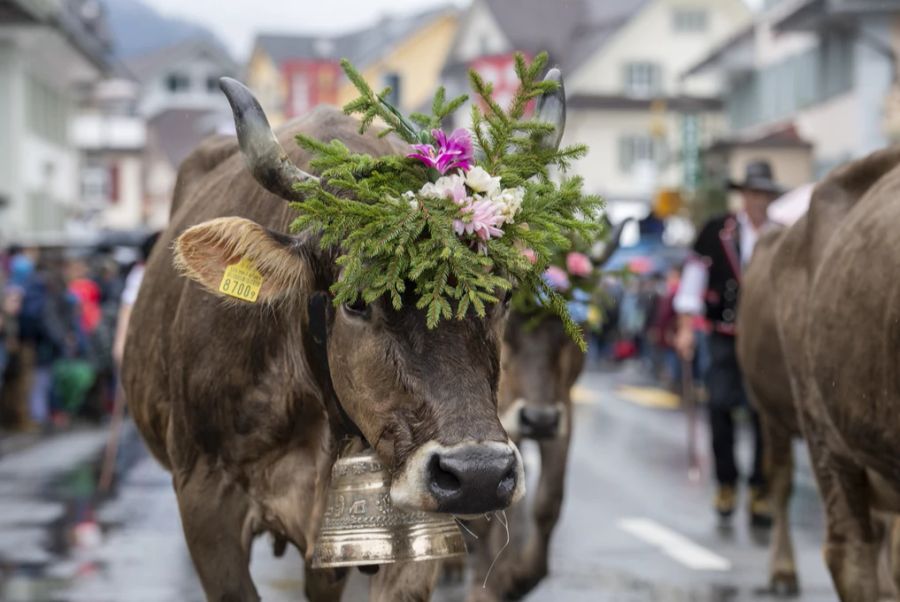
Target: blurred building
x=112 y=139
x=621 y=62
x=180 y=100
x=49 y=49
x=814 y=76
x=291 y=74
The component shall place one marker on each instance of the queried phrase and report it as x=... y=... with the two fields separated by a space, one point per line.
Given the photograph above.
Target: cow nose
x=473 y=479
x=540 y=422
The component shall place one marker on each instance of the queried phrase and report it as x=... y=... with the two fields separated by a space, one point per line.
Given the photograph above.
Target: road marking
x=651 y=397
x=674 y=545
x=582 y=395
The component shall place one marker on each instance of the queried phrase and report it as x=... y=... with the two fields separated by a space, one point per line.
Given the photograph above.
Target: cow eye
x=358 y=308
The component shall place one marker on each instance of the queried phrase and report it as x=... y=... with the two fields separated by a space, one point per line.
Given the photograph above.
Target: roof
x=621 y=102
x=147 y=65
x=569 y=30
x=729 y=46
x=360 y=47
x=82 y=22
x=786 y=136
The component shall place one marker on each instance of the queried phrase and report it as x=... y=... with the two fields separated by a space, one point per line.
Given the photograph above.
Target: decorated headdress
x=461 y=218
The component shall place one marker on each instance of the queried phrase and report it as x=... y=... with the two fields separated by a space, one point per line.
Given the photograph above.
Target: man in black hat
x=710 y=284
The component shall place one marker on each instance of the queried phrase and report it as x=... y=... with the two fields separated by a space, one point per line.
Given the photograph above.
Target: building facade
x=291 y=74
x=621 y=62
x=825 y=68
x=48 y=51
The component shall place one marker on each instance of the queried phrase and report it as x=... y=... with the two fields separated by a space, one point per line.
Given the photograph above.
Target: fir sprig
x=390 y=240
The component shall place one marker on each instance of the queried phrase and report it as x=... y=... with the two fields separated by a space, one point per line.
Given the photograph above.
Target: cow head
x=425 y=399
x=540 y=363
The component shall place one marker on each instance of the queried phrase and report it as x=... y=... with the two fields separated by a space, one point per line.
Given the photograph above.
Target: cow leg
x=493 y=558
x=405 y=582
x=780 y=474
x=851 y=547
x=894 y=554
x=325 y=585
x=532 y=566
x=214 y=518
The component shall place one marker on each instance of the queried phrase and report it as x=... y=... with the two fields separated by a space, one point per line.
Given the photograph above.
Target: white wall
x=650 y=36
x=601 y=131
x=479 y=35
x=128 y=212
x=156 y=97
x=39 y=175
x=11 y=84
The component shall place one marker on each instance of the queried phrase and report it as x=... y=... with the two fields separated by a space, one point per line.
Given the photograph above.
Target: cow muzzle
x=531 y=421
x=469 y=478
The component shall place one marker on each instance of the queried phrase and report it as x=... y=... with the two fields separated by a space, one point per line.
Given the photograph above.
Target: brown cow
x=850 y=370
x=768 y=385
x=540 y=364
x=788 y=278
x=246 y=403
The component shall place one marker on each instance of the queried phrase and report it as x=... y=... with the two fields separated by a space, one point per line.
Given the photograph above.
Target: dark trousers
x=726 y=394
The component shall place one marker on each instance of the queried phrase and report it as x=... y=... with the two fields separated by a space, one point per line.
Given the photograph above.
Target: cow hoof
x=784 y=585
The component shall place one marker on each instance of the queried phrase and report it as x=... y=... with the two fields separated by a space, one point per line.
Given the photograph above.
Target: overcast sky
x=238 y=21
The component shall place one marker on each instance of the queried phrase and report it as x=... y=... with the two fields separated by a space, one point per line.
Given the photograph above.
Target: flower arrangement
x=460 y=218
x=574 y=276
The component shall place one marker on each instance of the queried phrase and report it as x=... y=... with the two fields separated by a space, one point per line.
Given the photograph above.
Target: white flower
x=481 y=181
x=510 y=201
x=410 y=197
x=451 y=187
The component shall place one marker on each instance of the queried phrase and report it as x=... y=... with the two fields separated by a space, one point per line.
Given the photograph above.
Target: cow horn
x=265 y=157
x=551 y=108
x=614 y=242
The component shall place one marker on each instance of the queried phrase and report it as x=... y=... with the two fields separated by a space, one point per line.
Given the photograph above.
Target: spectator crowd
x=63 y=314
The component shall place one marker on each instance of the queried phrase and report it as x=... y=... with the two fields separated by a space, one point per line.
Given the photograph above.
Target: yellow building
x=291 y=74
x=411 y=65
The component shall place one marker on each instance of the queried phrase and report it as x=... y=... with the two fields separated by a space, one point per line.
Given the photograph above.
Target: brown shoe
x=760 y=510
x=725 y=500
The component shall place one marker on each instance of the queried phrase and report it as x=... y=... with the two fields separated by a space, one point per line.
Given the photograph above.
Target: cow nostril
x=507 y=483
x=441 y=478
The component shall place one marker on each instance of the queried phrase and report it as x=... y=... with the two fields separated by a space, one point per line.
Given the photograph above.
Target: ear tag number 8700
x=242 y=281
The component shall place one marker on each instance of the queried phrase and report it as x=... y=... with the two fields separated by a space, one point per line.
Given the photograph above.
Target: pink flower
x=481 y=217
x=557 y=278
x=530 y=255
x=454 y=151
x=578 y=264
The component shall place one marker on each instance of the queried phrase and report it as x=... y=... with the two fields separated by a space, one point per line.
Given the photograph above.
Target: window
x=635 y=149
x=178 y=82
x=300 y=94
x=799 y=81
x=212 y=84
x=689 y=20
x=643 y=79
x=46 y=111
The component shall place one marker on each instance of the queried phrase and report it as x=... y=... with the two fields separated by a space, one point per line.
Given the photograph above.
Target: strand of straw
x=465 y=527
x=505 y=524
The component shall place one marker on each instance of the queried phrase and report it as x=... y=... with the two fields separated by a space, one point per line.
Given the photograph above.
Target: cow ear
x=239 y=259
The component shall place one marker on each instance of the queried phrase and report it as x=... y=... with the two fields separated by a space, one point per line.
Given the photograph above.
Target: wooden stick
x=108 y=469
x=690 y=404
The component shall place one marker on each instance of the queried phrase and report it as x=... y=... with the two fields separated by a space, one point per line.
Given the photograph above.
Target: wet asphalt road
x=628 y=495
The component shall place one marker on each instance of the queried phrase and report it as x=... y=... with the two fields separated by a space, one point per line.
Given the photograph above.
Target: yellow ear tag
x=241 y=281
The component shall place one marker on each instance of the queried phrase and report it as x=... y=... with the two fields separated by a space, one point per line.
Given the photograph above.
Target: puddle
x=50 y=527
